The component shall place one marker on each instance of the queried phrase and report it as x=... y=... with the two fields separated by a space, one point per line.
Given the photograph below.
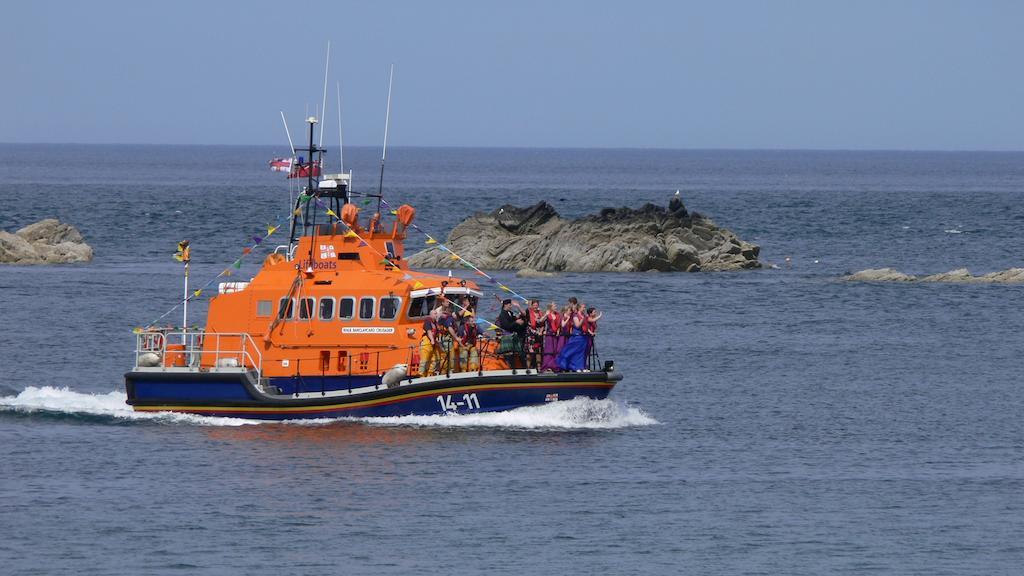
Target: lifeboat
x=330 y=326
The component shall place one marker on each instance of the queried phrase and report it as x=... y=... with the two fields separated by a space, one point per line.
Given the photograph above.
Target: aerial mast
x=384 y=152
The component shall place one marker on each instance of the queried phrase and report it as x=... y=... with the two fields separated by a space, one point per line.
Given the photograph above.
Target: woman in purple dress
x=552 y=339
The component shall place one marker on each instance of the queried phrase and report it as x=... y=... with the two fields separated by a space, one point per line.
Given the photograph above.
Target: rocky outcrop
x=615 y=240
x=45 y=242
x=962 y=275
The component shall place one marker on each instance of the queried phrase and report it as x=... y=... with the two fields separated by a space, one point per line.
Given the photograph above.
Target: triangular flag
x=417 y=285
x=297 y=211
x=361 y=244
x=406 y=277
x=246 y=250
x=237 y=263
x=431 y=240
x=505 y=288
x=482 y=274
x=492 y=327
x=136 y=330
x=257 y=239
x=455 y=257
x=394 y=212
x=351 y=234
x=197 y=293
x=331 y=213
x=226 y=272
x=271 y=229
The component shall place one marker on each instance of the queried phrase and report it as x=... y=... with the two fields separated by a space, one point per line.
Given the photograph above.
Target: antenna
x=341 y=154
x=324 y=106
x=384 y=153
x=289 y=134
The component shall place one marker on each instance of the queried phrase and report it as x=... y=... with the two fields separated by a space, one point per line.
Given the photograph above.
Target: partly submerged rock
x=531 y=273
x=45 y=242
x=614 y=240
x=960 y=275
x=879 y=275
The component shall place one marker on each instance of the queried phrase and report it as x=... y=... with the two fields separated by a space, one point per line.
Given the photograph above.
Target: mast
x=384 y=152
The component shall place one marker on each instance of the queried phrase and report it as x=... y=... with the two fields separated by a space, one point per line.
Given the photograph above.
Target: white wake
x=48 y=399
x=579 y=413
x=575 y=414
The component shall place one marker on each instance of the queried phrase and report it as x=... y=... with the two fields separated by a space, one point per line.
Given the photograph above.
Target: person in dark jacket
x=513 y=327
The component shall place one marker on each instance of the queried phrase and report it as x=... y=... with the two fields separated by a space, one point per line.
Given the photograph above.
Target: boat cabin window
x=327 y=308
x=389 y=306
x=421 y=307
x=264 y=308
x=366 y=308
x=286 y=309
x=306 y=307
x=347 y=308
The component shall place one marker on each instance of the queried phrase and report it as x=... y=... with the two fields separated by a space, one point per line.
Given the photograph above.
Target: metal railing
x=197 y=350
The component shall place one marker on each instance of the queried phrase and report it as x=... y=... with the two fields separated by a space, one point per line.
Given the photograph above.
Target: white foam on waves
x=575 y=414
x=48 y=399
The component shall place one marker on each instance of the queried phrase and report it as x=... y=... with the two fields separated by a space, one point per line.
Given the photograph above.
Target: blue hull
x=237 y=396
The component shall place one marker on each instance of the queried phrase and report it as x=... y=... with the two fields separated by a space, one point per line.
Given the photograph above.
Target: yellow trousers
x=469 y=358
x=427 y=358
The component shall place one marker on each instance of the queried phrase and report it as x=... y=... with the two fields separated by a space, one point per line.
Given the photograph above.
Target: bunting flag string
x=257 y=240
x=353 y=234
x=431 y=240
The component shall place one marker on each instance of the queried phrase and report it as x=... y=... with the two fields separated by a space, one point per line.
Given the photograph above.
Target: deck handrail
x=192 y=347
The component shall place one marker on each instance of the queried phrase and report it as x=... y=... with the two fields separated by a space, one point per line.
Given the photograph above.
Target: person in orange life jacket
x=514 y=327
x=535 y=320
x=469 y=358
x=428 y=344
x=552 y=338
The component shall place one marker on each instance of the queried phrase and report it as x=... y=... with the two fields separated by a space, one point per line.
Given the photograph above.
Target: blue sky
x=849 y=75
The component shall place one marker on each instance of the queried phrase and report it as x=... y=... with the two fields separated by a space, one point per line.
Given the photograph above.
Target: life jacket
x=468 y=333
x=441 y=327
x=432 y=329
x=588 y=326
x=532 y=319
x=554 y=323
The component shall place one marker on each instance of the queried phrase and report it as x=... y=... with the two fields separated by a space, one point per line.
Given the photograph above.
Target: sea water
x=777 y=421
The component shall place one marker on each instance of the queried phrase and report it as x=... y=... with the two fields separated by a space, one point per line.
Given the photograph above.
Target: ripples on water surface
x=770 y=422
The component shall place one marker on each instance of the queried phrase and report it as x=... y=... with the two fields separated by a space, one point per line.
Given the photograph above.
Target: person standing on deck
x=552 y=339
x=513 y=327
x=469 y=358
x=572 y=358
x=428 y=343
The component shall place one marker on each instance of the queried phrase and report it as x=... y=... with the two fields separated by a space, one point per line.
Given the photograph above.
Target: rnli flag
x=301 y=170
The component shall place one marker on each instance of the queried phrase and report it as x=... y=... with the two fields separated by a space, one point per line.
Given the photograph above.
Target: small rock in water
x=531 y=273
x=45 y=242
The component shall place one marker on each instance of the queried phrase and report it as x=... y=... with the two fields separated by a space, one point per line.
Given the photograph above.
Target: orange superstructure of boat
x=331 y=325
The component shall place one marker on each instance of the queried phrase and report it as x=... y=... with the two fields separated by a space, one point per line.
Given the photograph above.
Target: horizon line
x=524 y=147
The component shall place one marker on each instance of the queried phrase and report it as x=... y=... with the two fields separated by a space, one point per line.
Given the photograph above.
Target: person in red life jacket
x=469 y=357
x=590 y=318
x=428 y=344
x=552 y=339
x=535 y=321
